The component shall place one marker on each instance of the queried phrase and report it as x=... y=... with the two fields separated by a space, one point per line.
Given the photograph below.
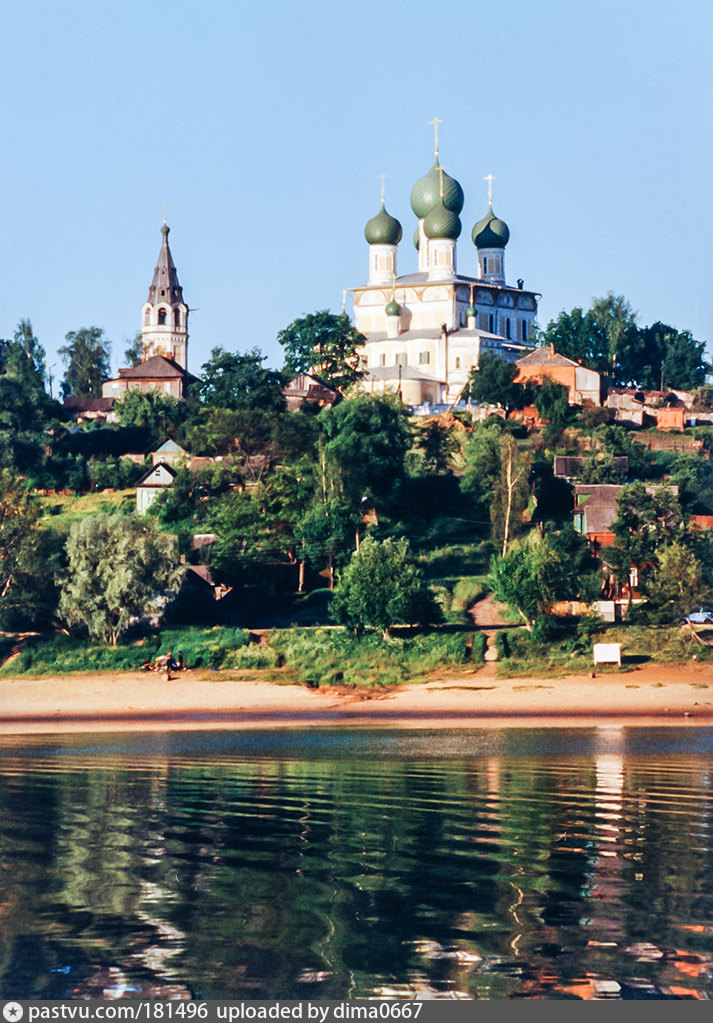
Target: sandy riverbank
x=651 y=694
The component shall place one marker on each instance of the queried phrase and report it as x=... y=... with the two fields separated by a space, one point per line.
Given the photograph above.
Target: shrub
x=502 y=645
x=334 y=656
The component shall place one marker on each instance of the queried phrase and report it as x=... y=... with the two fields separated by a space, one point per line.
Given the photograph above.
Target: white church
x=425 y=330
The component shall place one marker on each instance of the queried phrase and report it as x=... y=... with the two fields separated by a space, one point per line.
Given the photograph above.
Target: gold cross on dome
x=435 y=122
x=489 y=178
x=383 y=179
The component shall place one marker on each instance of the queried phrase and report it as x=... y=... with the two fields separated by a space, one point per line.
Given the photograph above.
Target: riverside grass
x=337 y=657
x=519 y=655
x=201 y=648
x=316 y=656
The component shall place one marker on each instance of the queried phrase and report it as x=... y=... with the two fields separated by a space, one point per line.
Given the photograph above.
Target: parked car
x=703 y=616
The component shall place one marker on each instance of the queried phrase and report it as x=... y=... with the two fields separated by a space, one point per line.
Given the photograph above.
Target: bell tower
x=164 y=316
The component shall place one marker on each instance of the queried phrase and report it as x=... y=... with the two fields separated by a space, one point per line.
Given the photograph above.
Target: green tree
x=552 y=401
x=493 y=383
x=511 y=492
x=151 y=410
x=119 y=567
x=678 y=584
x=577 y=335
x=600 y=467
x=382 y=586
x=597 y=336
x=659 y=356
x=230 y=380
x=326 y=344
x=438 y=444
x=694 y=477
x=134 y=351
x=326 y=535
x=646 y=521
x=29 y=555
x=482 y=466
x=531 y=576
x=86 y=356
x=615 y=320
x=366 y=443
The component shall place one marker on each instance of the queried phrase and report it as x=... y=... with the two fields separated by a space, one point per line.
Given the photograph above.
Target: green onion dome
x=426 y=193
x=491 y=232
x=383 y=229
x=393 y=308
x=442 y=223
x=470 y=312
x=416 y=239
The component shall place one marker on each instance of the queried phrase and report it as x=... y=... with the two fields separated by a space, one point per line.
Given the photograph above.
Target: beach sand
x=656 y=694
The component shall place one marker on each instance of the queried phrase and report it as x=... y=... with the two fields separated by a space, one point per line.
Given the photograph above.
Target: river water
x=324 y=863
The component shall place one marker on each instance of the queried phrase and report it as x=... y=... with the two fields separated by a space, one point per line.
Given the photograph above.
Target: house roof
x=165 y=287
x=157 y=481
x=546 y=356
x=571 y=465
x=84 y=403
x=158 y=367
x=302 y=382
x=169 y=447
x=203 y=573
x=422 y=278
x=406 y=373
x=459 y=334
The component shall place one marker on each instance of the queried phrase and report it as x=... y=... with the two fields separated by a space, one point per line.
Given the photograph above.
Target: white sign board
x=607 y=653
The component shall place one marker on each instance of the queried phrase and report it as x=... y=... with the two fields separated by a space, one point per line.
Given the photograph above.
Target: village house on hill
x=584 y=386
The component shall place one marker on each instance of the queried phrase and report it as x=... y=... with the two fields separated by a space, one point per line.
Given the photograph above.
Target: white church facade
x=425 y=330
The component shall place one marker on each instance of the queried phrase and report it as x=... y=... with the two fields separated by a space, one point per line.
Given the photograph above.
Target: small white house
x=151 y=484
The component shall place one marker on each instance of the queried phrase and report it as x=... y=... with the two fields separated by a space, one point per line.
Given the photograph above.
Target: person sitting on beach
x=165 y=663
x=178 y=664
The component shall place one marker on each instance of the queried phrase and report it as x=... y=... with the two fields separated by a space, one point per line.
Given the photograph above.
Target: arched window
x=161 y=317
x=485 y=264
x=147 y=317
x=507 y=327
x=177 y=316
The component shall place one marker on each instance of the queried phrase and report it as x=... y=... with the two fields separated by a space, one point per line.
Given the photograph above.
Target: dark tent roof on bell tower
x=164 y=286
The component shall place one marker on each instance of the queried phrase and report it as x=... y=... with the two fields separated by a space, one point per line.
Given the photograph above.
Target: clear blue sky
x=264 y=127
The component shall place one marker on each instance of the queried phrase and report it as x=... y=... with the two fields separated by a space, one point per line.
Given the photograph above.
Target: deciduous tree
x=492 y=383
x=231 y=380
x=119 y=566
x=86 y=356
x=382 y=586
x=326 y=344
x=366 y=441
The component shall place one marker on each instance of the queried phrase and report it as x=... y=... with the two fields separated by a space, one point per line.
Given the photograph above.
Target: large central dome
x=426 y=193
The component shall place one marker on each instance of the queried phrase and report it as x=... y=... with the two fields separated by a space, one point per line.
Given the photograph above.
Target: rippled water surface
x=324 y=863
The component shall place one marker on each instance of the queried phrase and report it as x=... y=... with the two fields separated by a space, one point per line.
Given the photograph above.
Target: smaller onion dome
x=491 y=232
x=416 y=239
x=470 y=312
x=426 y=193
x=393 y=308
x=442 y=223
x=165 y=229
x=383 y=229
